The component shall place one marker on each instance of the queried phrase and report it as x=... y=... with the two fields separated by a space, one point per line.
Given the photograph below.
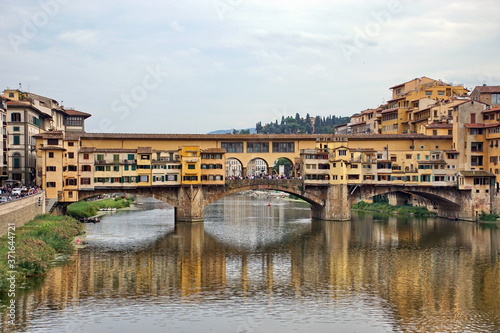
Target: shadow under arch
x=290 y=186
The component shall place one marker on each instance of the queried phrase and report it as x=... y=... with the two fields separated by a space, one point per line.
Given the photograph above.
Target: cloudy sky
x=196 y=66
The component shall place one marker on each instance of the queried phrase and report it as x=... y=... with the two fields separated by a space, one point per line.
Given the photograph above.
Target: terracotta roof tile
x=144 y=150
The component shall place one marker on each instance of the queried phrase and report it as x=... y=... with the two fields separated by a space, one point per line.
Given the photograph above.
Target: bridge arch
x=293 y=187
x=234 y=167
x=257 y=167
x=445 y=201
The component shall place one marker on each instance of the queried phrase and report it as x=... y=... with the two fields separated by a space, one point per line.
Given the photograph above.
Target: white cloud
x=264 y=54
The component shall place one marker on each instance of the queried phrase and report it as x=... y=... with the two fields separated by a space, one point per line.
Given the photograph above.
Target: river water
x=251 y=267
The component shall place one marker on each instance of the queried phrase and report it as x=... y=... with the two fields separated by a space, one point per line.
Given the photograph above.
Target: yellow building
x=408 y=98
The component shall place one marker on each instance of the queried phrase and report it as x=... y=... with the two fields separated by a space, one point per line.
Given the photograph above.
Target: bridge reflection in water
x=420 y=271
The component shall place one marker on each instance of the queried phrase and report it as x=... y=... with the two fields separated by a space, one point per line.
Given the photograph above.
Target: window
x=51 y=184
x=476 y=146
x=428 y=93
x=72 y=168
x=476 y=131
x=86 y=168
x=434 y=132
x=116 y=168
x=495 y=98
x=71 y=155
x=107 y=167
x=476 y=160
x=191 y=166
x=99 y=168
x=342 y=152
x=441 y=92
x=15 y=129
x=74 y=121
x=145 y=157
x=15 y=117
x=85 y=181
x=258 y=147
x=143 y=178
x=233 y=147
x=190 y=178
x=130 y=157
x=51 y=154
x=116 y=158
x=71 y=182
x=283 y=147
x=472 y=118
x=100 y=157
x=86 y=156
x=16 y=161
x=71 y=144
x=52 y=142
x=17 y=140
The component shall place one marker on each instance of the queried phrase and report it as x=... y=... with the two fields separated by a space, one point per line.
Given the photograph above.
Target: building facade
x=28 y=114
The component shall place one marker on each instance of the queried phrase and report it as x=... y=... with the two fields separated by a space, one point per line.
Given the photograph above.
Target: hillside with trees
x=299 y=125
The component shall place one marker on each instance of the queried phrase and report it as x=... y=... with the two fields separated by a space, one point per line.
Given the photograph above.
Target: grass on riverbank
x=90 y=208
x=399 y=210
x=33 y=246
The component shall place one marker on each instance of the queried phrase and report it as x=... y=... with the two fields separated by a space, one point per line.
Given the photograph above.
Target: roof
x=111 y=150
x=439 y=125
x=476 y=174
x=487 y=89
x=432 y=162
x=389 y=110
x=481 y=125
x=76 y=113
x=87 y=150
x=417 y=78
x=214 y=150
x=144 y=150
x=491 y=110
x=52 y=148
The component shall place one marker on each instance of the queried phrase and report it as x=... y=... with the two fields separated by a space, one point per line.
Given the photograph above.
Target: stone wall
x=20 y=211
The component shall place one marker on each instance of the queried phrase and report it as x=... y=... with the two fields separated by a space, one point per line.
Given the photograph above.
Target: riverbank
x=91 y=208
x=29 y=250
x=396 y=210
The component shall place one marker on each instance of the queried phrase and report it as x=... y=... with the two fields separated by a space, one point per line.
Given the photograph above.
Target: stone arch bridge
x=328 y=202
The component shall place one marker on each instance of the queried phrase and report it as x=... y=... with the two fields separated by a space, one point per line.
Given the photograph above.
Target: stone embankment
x=19 y=211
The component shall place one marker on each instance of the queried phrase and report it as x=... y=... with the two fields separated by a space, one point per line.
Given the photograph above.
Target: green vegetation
x=386 y=208
x=34 y=246
x=488 y=217
x=90 y=208
x=307 y=125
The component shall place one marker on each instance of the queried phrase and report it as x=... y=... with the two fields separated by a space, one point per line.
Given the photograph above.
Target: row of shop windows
x=134 y=179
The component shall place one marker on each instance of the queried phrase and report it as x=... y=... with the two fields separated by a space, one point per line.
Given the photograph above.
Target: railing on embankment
x=19 y=211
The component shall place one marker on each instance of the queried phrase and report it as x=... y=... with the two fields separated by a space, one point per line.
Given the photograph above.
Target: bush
x=33 y=256
x=36 y=243
x=386 y=208
x=90 y=208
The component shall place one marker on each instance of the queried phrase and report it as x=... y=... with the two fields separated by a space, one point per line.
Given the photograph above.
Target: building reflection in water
x=420 y=271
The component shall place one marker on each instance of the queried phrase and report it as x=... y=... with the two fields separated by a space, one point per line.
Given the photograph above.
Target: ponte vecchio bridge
x=331 y=172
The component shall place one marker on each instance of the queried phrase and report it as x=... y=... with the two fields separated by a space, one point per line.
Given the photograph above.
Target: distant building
x=487 y=94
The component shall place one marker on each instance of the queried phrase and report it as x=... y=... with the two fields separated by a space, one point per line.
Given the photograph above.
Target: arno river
x=251 y=267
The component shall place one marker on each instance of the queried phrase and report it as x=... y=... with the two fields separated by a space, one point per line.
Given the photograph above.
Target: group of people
x=11 y=193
